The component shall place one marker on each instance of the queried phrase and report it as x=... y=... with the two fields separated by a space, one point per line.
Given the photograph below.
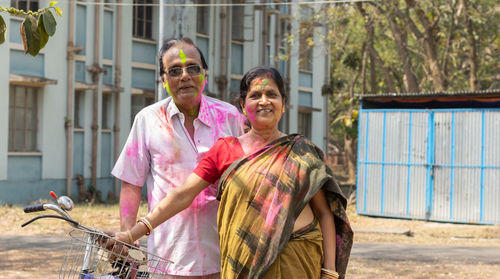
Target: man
x=165 y=144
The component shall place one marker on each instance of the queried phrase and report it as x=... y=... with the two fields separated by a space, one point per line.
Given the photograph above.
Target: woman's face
x=263 y=104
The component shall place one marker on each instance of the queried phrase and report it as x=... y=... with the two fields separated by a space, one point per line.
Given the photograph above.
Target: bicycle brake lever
x=53 y=195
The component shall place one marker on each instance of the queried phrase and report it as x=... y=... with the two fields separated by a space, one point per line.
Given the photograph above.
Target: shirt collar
x=203 y=116
x=204 y=110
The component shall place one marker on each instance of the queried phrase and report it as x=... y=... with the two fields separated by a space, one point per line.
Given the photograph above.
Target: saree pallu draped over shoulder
x=262 y=194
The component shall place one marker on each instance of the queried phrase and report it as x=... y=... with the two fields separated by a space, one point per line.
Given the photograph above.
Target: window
x=306 y=42
x=284 y=47
x=202 y=17
x=305 y=46
x=106 y=111
x=26 y=5
x=269 y=55
x=79 y=109
x=237 y=17
x=23 y=118
x=203 y=28
x=107 y=4
x=139 y=102
x=304 y=125
x=143 y=19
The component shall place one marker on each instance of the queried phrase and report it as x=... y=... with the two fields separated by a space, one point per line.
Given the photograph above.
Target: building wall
x=4 y=99
x=31 y=176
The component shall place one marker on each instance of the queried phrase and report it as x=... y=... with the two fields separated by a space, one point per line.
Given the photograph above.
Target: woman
x=276 y=196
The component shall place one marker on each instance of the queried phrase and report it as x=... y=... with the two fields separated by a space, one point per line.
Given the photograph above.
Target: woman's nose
x=264 y=99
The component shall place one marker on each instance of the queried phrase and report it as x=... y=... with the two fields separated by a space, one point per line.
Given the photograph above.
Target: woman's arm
x=325 y=217
x=176 y=200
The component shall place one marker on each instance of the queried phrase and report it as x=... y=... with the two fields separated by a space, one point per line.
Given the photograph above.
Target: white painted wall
x=4 y=96
x=52 y=133
x=320 y=57
x=126 y=81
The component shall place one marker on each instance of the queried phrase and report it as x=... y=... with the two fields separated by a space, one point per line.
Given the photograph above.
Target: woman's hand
x=111 y=243
x=326 y=221
x=121 y=236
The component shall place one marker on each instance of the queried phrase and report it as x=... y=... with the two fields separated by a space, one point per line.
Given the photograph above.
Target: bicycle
x=87 y=257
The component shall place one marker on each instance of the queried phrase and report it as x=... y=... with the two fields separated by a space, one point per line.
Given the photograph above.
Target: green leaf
x=49 y=23
x=44 y=37
x=32 y=43
x=3 y=30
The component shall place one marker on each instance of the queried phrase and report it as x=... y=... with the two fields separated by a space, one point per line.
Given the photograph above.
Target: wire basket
x=87 y=258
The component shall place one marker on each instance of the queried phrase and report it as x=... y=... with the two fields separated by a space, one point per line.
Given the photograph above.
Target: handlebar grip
x=34 y=208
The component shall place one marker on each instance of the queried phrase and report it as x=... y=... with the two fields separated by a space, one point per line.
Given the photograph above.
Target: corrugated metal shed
x=430 y=156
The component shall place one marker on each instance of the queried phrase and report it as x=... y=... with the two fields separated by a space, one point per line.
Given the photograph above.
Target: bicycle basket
x=87 y=258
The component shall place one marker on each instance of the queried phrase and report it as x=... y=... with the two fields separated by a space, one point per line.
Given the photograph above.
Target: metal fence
x=430 y=164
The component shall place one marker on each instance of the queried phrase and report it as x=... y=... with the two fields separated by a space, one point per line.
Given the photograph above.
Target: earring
x=245 y=112
x=164 y=85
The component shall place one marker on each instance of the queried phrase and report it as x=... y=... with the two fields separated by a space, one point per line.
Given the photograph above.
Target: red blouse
x=224 y=152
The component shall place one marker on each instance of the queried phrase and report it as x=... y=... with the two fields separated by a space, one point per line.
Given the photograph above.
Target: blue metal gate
x=436 y=164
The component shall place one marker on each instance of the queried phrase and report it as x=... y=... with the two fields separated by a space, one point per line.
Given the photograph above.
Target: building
x=431 y=156
x=66 y=113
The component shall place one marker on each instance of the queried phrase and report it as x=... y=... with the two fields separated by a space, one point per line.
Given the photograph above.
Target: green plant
x=36 y=27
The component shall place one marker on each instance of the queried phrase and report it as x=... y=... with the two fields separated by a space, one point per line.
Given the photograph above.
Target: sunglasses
x=192 y=70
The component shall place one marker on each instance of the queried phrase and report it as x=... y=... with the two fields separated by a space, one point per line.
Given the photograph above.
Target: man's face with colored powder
x=185 y=78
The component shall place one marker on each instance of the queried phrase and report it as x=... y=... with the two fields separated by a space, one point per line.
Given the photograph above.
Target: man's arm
x=130 y=199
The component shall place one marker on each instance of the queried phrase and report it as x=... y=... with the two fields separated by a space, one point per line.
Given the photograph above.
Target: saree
x=262 y=194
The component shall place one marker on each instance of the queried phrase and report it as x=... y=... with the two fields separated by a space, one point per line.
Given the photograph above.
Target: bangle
x=130 y=237
x=329 y=273
x=147 y=224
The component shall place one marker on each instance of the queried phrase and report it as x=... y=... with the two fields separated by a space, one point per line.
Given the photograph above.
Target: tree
x=36 y=28
x=401 y=46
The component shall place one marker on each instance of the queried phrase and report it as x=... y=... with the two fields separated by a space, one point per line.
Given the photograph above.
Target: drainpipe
x=277 y=42
x=95 y=70
x=327 y=96
x=265 y=34
x=221 y=80
x=118 y=81
x=69 y=105
x=161 y=36
x=288 y=72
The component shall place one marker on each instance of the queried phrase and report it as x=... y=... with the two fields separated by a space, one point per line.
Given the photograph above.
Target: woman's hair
x=262 y=71
x=168 y=43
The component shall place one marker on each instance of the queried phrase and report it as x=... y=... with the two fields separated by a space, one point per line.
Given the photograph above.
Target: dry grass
x=14 y=264
x=422 y=232
x=104 y=217
x=366 y=228
x=361 y=269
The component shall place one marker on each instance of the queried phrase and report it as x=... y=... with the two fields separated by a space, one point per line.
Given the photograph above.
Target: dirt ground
x=43 y=263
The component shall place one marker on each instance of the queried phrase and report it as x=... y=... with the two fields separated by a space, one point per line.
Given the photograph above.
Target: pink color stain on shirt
x=133 y=150
x=220 y=119
x=165 y=123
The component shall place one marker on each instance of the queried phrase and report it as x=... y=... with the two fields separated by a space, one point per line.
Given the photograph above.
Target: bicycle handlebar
x=44 y=206
x=34 y=208
x=72 y=222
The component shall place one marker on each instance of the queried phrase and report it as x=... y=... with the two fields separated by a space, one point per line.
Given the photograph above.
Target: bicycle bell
x=65 y=203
